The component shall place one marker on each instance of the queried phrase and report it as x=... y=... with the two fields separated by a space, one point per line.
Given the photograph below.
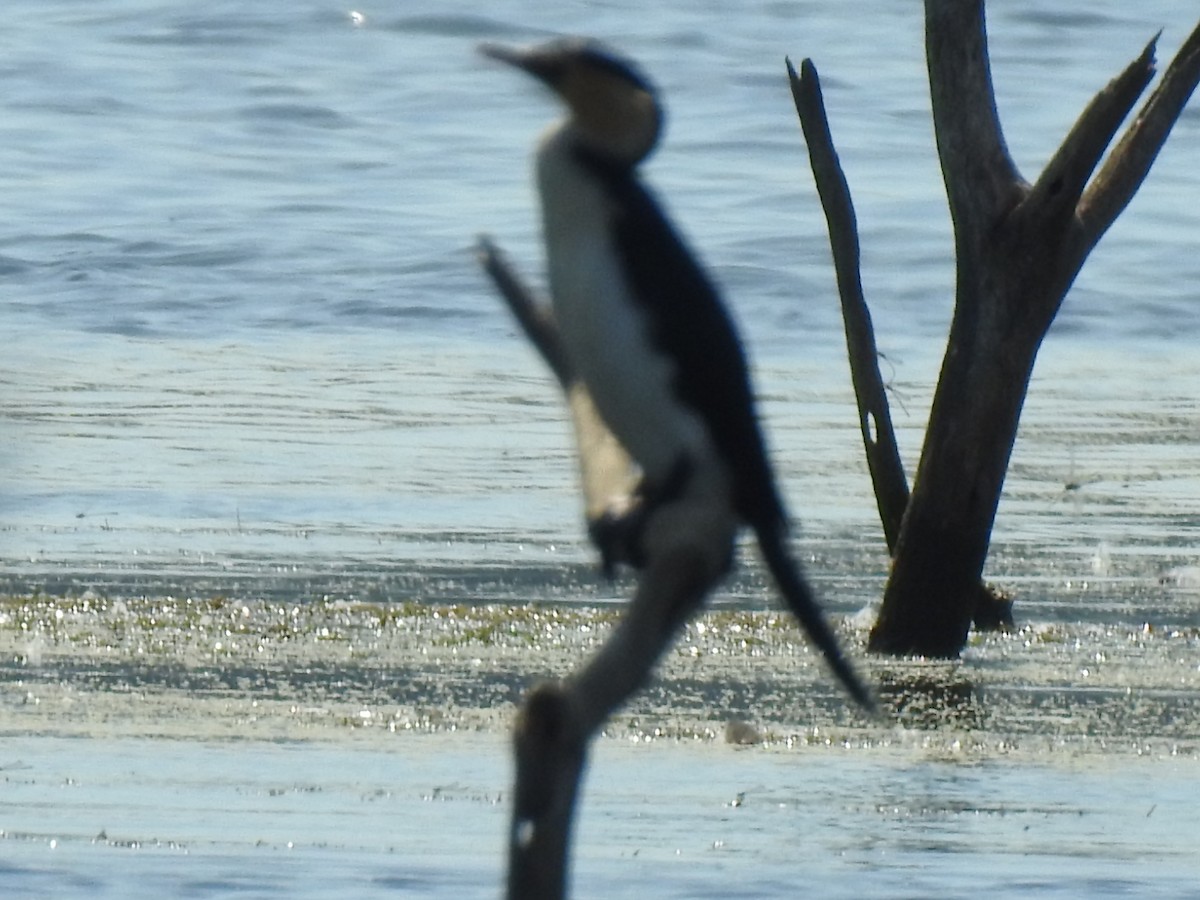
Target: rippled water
x=420 y=821
x=249 y=355
x=182 y=747
x=247 y=333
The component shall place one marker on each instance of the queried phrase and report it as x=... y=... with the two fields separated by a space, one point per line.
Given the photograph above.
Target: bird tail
x=798 y=597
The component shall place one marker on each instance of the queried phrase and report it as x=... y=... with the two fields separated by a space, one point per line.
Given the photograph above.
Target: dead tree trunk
x=989 y=609
x=683 y=545
x=558 y=721
x=1018 y=249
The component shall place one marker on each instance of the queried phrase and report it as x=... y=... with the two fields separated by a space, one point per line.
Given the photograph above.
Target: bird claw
x=617 y=532
x=617 y=535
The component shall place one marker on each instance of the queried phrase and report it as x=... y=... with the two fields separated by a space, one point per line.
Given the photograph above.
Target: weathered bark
x=682 y=551
x=990 y=610
x=874 y=412
x=558 y=721
x=1018 y=249
x=607 y=474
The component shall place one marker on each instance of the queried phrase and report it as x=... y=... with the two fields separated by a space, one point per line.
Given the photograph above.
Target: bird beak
x=542 y=65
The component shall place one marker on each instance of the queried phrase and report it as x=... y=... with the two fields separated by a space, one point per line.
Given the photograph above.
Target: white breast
x=605 y=332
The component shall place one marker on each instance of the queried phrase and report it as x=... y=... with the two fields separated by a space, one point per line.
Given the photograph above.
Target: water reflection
x=929 y=696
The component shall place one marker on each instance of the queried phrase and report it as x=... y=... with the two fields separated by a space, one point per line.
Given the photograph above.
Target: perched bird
x=641 y=321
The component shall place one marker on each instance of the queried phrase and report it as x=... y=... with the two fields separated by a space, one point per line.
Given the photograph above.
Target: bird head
x=613 y=109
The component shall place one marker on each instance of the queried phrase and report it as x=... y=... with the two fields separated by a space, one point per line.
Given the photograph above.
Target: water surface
x=251 y=365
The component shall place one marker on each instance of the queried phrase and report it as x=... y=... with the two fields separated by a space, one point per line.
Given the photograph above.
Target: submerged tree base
x=1018 y=247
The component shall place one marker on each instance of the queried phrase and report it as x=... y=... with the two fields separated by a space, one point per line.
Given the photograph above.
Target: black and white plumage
x=640 y=320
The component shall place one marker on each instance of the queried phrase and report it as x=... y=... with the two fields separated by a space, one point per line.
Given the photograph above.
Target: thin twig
x=533 y=316
x=606 y=472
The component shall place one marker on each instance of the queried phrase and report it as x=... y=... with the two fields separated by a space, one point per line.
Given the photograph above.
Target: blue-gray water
x=245 y=331
x=247 y=350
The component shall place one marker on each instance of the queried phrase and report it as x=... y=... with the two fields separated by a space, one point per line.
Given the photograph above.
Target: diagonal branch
x=874 y=414
x=535 y=318
x=1057 y=191
x=558 y=720
x=1130 y=161
x=989 y=609
x=607 y=474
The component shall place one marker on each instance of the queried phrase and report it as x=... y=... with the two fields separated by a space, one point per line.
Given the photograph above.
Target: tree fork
x=1018 y=249
x=990 y=610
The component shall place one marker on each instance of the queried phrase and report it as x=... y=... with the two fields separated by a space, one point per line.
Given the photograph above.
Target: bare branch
x=874 y=413
x=1013 y=271
x=606 y=472
x=1061 y=184
x=534 y=317
x=1130 y=161
x=550 y=752
x=687 y=544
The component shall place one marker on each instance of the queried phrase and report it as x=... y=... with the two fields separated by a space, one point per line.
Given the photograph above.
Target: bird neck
x=604 y=156
x=603 y=166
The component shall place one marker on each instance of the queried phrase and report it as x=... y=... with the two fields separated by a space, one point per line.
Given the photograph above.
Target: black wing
x=692 y=325
x=714 y=380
